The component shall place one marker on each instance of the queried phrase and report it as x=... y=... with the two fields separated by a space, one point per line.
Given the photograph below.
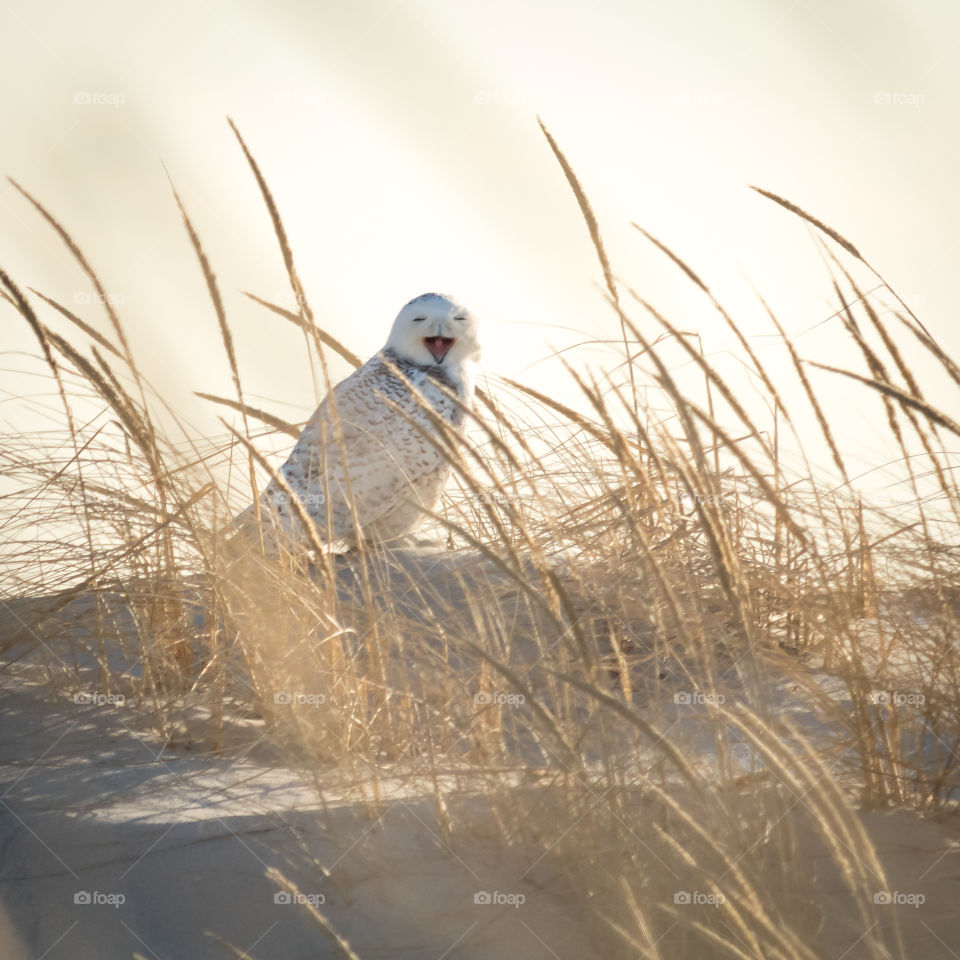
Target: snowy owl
x=381 y=465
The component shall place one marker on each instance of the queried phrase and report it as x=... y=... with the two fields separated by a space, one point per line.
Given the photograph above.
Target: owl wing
x=363 y=450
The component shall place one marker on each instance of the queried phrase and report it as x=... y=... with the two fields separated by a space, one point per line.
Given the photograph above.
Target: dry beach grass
x=661 y=683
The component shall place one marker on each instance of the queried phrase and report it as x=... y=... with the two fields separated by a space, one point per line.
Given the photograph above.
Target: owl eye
x=419 y=319
x=459 y=318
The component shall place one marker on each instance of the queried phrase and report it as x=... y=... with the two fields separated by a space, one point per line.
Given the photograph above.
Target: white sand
x=88 y=806
x=175 y=844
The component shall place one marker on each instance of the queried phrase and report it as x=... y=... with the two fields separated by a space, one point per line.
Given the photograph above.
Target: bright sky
x=400 y=142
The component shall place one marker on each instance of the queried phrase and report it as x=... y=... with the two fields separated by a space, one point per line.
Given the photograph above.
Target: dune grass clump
x=619 y=603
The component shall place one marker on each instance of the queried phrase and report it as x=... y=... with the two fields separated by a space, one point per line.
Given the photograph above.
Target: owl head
x=435 y=329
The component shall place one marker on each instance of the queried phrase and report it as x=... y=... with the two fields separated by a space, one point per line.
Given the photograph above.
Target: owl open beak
x=439 y=347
